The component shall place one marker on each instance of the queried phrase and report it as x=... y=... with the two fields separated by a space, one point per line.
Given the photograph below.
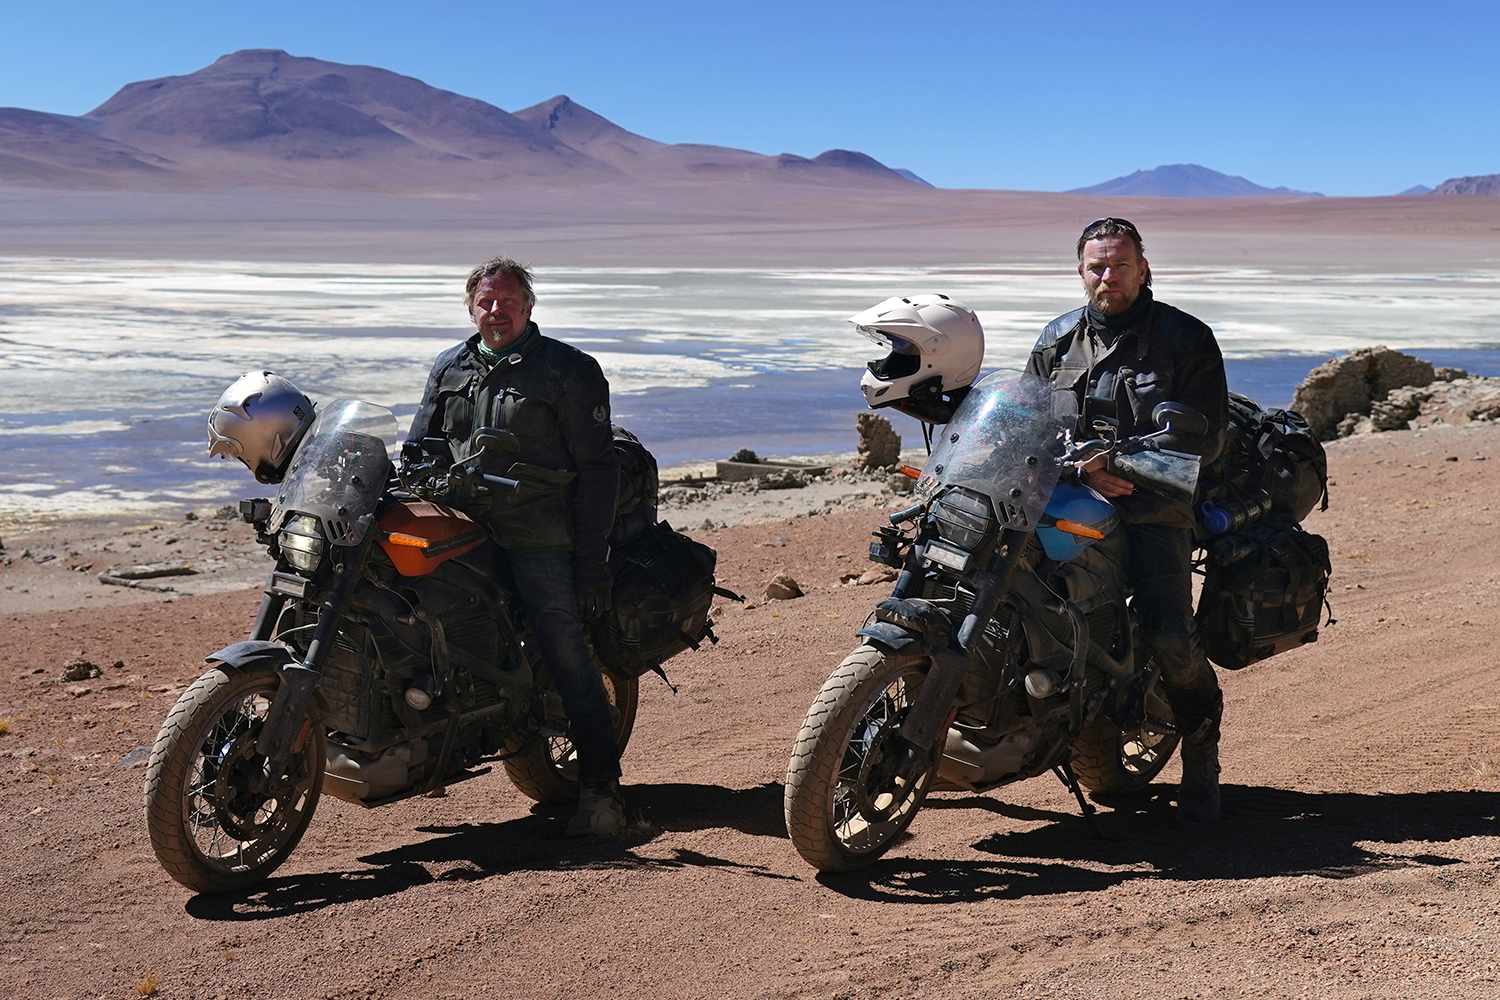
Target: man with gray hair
x=555 y=528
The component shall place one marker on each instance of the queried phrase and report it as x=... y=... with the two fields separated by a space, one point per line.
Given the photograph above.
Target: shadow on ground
x=1262 y=833
x=474 y=851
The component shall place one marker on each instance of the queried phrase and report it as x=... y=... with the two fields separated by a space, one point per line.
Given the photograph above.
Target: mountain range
x=1185 y=180
x=262 y=117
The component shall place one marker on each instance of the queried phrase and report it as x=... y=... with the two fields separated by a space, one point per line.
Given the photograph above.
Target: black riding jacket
x=1153 y=353
x=555 y=399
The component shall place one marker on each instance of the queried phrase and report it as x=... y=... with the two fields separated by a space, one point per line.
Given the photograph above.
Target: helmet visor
x=894 y=366
x=897 y=343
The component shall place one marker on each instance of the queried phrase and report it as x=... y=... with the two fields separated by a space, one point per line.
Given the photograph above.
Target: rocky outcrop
x=879 y=445
x=1453 y=397
x=1350 y=385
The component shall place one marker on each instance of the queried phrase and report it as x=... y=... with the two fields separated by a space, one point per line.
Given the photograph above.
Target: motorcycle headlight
x=962 y=518
x=302 y=542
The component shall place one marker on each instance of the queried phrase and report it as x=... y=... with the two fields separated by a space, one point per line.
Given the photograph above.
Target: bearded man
x=1121 y=355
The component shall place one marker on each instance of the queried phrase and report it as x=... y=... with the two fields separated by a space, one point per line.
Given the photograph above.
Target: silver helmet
x=260 y=420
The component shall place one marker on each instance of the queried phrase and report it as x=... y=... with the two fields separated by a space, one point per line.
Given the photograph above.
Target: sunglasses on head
x=1125 y=224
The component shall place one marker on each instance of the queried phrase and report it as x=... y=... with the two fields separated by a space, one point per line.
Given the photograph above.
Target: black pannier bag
x=1271 y=461
x=663 y=589
x=635 y=503
x=1263 y=593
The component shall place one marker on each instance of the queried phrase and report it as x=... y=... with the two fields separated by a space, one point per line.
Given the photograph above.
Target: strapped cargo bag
x=663 y=590
x=1269 y=455
x=1264 y=592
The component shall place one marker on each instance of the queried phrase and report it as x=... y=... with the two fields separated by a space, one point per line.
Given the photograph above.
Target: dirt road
x=1357 y=856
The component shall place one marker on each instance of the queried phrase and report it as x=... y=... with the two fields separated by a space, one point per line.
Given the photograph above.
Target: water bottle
x=1234 y=515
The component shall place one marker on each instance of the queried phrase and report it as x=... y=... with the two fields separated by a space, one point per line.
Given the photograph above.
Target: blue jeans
x=544 y=582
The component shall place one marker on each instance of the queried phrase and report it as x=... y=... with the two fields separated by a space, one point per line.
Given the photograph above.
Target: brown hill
x=646 y=158
x=262 y=115
x=1488 y=185
x=261 y=118
x=67 y=151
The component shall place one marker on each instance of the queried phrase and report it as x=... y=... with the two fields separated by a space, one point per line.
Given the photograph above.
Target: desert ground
x=1357 y=855
x=746 y=225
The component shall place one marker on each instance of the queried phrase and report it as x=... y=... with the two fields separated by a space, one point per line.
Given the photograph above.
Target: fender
x=890 y=637
x=252 y=653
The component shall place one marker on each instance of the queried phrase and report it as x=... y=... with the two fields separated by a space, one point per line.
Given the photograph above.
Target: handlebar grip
x=500 y=482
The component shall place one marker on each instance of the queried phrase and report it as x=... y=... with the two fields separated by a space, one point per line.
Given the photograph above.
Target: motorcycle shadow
x=474 y=851
x=1261 y=833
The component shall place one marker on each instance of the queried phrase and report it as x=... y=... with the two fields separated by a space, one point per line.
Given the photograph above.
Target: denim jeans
x=1160 y=569
x=544 y=582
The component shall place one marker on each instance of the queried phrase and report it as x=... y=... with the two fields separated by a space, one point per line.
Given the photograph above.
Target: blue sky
x=1344 y=98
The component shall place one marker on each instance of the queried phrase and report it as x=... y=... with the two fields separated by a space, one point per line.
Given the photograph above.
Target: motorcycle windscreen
x=340 y=469
x=1006 y=442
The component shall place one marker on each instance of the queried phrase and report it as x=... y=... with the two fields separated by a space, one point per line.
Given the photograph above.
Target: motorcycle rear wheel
x=1110 y=761
x=844 y=805
x=545 y=768
x=214 y=825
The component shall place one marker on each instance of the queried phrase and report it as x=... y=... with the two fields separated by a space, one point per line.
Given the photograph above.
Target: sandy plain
x=1360 y=844
x=1357 y=856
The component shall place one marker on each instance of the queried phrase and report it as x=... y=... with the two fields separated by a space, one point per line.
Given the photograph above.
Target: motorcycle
x=388 y=659
x=1007 y=648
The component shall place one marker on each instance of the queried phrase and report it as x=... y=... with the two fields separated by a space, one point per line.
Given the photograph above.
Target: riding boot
x=601 y=810
x=1198 y=795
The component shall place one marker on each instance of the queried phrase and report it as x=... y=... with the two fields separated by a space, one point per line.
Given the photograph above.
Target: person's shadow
x=474 y=851
x=1262 y=832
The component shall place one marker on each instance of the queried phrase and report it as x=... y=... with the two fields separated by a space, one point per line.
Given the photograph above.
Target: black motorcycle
x=389 y=659
x=1007 y=648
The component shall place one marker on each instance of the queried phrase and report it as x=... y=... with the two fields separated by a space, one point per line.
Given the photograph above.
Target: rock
x=148 y=571
x=1448 y=374
x=78 y=690
x=879 y=445
x=877 y=574
x=1398 y=408
x=79 y=669
x=189 y=516
x=782 y=588
x=1484 y=411
x=136 y=758
x=226 y=512
x=789 y=479
x=1348 y=385
x=901 y=483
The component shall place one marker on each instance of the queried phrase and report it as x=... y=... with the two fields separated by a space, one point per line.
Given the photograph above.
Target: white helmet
x=260 y=420
x=936 y=346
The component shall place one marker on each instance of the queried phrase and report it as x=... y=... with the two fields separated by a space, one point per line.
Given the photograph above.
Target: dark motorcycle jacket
x=1121 y=367
x=555 y=399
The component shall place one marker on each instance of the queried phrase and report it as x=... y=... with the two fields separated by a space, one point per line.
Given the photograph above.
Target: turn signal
x=1082 y=530
x=907 y=470
x=397 y=538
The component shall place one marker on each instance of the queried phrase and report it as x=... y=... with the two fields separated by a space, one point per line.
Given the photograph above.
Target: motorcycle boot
x=601 y=810
x=1198 y=794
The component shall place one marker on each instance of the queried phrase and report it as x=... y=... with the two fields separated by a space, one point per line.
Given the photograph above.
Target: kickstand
x=1064 y=772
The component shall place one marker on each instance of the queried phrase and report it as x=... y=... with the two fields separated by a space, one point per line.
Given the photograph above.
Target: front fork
x=282 y=733
x=927 y=719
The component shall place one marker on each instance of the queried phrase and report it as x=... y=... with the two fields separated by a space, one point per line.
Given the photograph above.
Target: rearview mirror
x=494 y=441
x=1179 y=419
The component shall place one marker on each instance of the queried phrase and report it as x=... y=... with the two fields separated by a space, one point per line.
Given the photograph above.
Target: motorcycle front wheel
x=1111 y=761
x=845 y=805
x=545 y=768
x=218 y=821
